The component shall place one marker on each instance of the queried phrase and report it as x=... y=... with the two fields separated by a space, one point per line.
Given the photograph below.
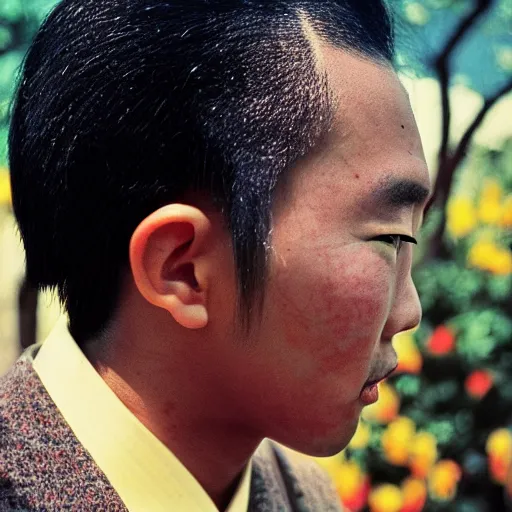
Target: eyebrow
x=400 y=193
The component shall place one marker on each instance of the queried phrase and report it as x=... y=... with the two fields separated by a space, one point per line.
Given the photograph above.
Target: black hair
x=124 y=106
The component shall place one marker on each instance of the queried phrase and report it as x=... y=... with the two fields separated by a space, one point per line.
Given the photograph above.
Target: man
x=224 y=193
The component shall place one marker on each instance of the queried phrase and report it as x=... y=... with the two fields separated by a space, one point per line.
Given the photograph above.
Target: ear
x=170 y=262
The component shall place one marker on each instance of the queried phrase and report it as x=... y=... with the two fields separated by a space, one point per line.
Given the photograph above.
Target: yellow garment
x=142 y=470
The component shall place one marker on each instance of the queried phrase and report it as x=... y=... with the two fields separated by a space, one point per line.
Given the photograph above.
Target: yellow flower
x=5 y=187
x=361 y=437
x=409 y=356
x=387 y=407
x=499 y=442
x=422 y=454
x=385 y=498
x=492 y=190
x=486 y=255
x=396 y=440
x=331 y=464
x=506 y=213
x=489 y=212
x=443 y=480
x=414 y=492
x=460 y=216
x=489 y=207
x=499 y=452
x=502 y=264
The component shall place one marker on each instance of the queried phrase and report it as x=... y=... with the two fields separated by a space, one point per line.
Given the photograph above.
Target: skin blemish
x=356 y=176
x=403 y=127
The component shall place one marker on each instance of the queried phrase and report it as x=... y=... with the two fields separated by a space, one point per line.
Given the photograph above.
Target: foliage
x=19 y=20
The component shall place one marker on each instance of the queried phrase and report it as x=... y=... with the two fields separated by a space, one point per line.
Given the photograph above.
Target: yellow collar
x=142 y=470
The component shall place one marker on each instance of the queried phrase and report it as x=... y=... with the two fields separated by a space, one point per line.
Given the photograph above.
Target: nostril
x=405 y=315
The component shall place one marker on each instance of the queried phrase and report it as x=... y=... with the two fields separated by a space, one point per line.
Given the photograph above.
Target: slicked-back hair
x=124 y=106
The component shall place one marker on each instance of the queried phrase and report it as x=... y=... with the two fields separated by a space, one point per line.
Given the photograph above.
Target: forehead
x=374 y=138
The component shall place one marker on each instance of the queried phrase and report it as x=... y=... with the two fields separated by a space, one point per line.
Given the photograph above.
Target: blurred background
x=440 y=437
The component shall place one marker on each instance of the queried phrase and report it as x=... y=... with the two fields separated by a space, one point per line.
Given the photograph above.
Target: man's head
x=202 y=166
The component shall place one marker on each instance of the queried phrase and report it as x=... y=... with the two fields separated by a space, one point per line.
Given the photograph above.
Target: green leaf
x=11 y=10
x=4 y=132
x=9 y=66
x=443 y=430
x=476 y=349
x=499 y=287
x=470 y=505
x=408 y=385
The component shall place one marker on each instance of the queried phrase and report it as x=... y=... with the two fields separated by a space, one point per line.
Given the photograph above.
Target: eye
x=396 y=240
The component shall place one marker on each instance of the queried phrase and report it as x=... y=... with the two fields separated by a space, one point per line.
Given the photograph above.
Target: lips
x=380 y=376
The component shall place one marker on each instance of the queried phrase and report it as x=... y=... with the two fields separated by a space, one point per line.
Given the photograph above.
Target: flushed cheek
x=335 y=306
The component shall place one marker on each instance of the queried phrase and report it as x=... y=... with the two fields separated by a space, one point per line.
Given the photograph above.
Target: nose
x=405 y=312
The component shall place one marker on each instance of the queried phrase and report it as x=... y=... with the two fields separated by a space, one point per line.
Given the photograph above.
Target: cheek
x=334 y=303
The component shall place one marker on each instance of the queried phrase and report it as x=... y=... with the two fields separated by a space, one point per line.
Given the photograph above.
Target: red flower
x=478 y=383
x=359 y=500
x=442 y=341
x=499 y=467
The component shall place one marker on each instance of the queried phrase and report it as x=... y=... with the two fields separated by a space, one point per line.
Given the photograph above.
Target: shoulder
x=41 y=460
x=315 y=484
x=16 y=388
x=304 y=480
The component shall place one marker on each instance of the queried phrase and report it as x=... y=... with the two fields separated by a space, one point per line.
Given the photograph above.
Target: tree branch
x=448 y=166
x=448 y=160
x=443 y=69
x=460 y=151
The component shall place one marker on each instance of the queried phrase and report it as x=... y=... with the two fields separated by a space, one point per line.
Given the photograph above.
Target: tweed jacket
x=43 y=466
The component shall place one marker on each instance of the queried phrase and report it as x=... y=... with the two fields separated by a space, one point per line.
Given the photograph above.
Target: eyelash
x=396 y=240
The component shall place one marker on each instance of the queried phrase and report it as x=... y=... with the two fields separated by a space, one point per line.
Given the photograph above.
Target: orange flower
x=396 y=439
x=499 y=452
x=414 y=492
x=387 y=407
x=478 y=383
x=352 y=485
x=385 y=498
x=423 y=454
x=443 y=480
x=442 y=341
x=409 y=356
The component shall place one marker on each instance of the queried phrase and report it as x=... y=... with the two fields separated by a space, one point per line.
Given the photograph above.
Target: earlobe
x=168 y=259
x=192 y=316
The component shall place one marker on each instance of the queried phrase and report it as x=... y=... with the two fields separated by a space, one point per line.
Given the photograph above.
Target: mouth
x=370 y=392
x=375 y=380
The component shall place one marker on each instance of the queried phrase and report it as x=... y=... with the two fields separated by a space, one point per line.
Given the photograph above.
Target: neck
x=201 y=431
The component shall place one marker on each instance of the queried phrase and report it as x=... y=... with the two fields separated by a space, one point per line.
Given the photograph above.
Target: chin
x=328 y=448
x=323 y=446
